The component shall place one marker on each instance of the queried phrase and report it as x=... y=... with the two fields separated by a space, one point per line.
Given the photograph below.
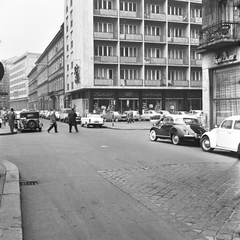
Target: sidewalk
x=10 y=205
x=138 y=125
x=6 y=130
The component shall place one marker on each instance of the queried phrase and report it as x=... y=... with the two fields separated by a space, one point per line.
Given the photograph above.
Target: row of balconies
x=151 y=16
x=147 y=38
x=147 y=83
x=150 y=61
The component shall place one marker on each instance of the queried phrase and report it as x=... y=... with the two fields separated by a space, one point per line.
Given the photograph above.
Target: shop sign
x=153 y=95
x=103 y=94
x=224 y=58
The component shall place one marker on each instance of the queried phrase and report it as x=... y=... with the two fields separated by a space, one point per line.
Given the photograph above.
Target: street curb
x=8 y=133
x=10 y=209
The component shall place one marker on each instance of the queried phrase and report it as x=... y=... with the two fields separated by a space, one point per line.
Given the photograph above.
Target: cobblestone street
x=201 y=200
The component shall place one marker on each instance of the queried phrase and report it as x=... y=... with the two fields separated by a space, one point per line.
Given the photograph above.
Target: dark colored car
x=29 y=120
x=177 y=128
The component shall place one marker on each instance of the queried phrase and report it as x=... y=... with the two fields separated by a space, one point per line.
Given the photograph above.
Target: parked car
x=146 y=115
x=63 y=115
x=136 y=115
x=177 y=128
x=92 y=119
x=29 y=121
x=57 y=113
x=114 y=115
x=225 y=137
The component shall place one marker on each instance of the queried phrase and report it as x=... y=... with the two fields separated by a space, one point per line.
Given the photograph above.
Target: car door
x=165 y=127
x=224 y=135
x=235 y=135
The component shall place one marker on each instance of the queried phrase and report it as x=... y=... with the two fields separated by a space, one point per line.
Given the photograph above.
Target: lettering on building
x=103 y=94
x=224 y=58
x=155 y=95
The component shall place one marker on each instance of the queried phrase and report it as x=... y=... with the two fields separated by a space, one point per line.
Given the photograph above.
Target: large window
x=103 y=51
x=194 y=33
x=175 y=53
x=152 y=30
x=153 y=53
x=153 y=74
x=152 y=8
x=128 y=52
x=195 y=56
x=129 y=74
x=196 y=75
x=128 y=6
x=103 y=4
x=175 y=32
x=175 y=75
x=128 y=29
x=196 y=13
x=103 y=27
x=104 y=73
x=175 y=11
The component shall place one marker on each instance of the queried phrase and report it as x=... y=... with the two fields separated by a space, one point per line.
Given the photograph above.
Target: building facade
x=132 y=54
x=219 y=46
x=19 y=82
x=32 y=89
x=4 y=84
x=50 y=75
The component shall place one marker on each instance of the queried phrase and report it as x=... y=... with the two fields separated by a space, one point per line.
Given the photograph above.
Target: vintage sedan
x=29 y=121
x=148 y=114
x=92 y=119
x=177 y=128
x=225 y=137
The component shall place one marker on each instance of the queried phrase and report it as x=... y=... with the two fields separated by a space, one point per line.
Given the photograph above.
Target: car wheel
x=153 y=135
x=175 y=139
x=32 y=124
x=205 y=144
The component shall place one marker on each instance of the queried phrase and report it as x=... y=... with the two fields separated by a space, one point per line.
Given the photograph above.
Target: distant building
x=19 y=81
x=132 y=54
x=4 y=84
x=219 y=46
x=50 y=75
x=32 y=89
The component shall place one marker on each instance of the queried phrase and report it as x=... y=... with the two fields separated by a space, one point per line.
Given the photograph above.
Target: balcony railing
x=131 y=82
x=106 y=12
x=178 y=39
x=103 y=35
x=178 y=83
x=106 y=59
x=177 y=18
x=152 y=38
x=196 y=83
x=134 y=37
x=155 y=16
x=196 y=62
x=173 y=61
x=129 y=60
x=103 y=82
x=152 y=83
x=222 y=31
x=155 y=60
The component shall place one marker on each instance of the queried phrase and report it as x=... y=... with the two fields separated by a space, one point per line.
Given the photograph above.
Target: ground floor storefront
x=97 y=100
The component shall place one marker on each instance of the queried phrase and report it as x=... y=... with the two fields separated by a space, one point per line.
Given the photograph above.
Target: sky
x=28 y=25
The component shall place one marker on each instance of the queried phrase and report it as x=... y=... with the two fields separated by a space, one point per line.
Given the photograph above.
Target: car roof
x=174 y=116
x=235 y=117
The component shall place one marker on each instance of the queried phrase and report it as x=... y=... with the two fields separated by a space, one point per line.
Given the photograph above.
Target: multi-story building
x=133 y=54
x=50 y=75
x=19 y=81
x=32 y=89
x=4 y=84
x=219 y=46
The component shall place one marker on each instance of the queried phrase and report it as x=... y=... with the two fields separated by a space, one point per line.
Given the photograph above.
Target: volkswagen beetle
x=177 y=128
x=225 y=137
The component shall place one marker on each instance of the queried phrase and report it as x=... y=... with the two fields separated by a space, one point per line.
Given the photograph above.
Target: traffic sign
x=1 y=71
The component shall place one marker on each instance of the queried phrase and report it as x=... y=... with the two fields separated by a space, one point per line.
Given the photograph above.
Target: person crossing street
x=53 y=122
x=72 y=120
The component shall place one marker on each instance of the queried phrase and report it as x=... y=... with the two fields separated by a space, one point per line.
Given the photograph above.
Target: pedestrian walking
x=130 y=116
x=11 y=119
x=72 y=120
x=4 y=116
x=53 y=122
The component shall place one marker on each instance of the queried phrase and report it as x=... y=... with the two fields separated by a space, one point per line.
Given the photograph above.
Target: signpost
x=1 y=71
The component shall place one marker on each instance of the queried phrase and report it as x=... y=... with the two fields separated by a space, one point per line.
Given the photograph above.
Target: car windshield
x=94 y=116
x=186 y=121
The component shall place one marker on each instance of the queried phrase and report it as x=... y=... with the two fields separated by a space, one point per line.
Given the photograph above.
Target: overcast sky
x=28 y=25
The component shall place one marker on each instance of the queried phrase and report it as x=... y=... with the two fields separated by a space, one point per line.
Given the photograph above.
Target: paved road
x=108 y=184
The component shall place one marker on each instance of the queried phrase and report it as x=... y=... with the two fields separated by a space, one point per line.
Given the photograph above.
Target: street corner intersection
x=200 y=200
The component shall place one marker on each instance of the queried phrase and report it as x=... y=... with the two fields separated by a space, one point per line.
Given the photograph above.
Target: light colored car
x=147 y=115
x=92 y=119
x=112 y=115
x=177 y=128
x=63 y=114
x=57 y=113
x=225 y=137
